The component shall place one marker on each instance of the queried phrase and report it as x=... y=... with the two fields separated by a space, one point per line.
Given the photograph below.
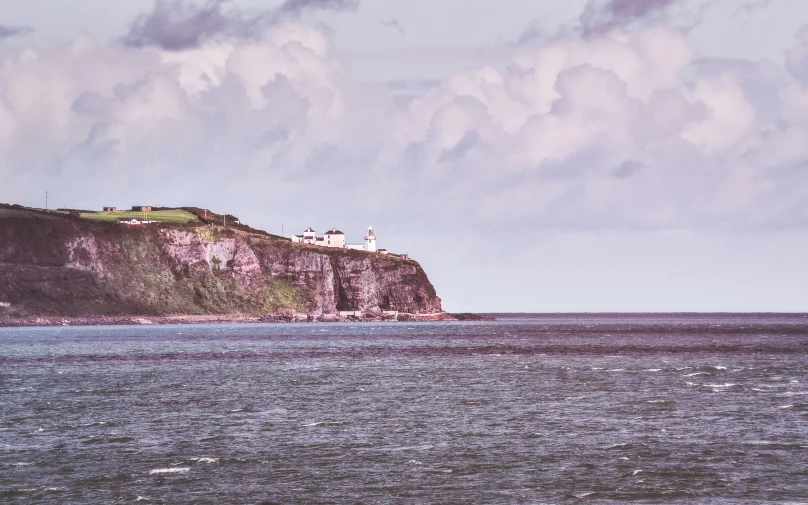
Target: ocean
x=533 y=409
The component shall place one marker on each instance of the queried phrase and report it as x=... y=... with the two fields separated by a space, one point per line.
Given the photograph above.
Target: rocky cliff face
x=52 y=265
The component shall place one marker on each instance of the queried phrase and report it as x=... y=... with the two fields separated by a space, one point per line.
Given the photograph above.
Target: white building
x=335 y=238
x=133 y=221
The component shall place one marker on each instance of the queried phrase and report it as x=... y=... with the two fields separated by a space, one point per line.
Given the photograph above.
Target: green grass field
x=162 y=216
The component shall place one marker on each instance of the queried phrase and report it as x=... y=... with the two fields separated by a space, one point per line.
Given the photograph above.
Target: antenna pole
x=46 y=200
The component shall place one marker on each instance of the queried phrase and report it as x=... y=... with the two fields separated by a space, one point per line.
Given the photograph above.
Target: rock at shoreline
x=282 y=317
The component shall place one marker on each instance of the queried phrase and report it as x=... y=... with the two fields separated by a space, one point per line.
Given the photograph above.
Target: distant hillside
x=63 y=264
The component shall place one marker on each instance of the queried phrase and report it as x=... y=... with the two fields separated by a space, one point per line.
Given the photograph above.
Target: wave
x=412 y=448
x=176 y=469
x=613 y=446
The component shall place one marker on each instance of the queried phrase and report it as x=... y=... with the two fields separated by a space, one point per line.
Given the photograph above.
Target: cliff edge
x=60 y=265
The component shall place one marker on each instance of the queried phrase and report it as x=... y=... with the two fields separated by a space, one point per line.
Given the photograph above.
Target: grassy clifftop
x=161 y=216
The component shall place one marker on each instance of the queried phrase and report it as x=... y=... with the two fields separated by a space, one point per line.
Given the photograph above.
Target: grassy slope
x=162 y=216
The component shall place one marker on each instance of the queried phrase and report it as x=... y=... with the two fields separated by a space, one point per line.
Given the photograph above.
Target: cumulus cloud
x=797 y=57
x=299 y=6
x=600 y=17
x=13 y=31
x=625 y=128
x=183 y=24
x=179 y=24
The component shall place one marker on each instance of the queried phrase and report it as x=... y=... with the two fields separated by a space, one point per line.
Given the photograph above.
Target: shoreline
x=297 y=317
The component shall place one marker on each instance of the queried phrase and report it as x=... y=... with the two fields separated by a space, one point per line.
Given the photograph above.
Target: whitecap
x=176 y=469
x=635 y=472
x=696 y=373
x=583 y=495
x=654 y=370
x=613 y=446
x=784 y=406
x=207 y=460
x=657 y=401
x=412 y=448
x=727 y=385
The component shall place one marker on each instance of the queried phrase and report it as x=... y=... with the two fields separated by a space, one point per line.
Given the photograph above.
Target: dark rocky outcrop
x=60 y=265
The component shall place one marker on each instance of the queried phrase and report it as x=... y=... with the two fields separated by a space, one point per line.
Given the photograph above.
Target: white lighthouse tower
x=370 y=239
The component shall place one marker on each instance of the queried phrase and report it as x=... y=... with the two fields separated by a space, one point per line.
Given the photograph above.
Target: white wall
x=335 y=240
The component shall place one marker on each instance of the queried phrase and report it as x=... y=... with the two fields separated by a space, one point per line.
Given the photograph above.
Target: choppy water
x=528 y=409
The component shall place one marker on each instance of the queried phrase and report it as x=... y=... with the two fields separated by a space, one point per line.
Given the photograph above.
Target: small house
x=110 y=209
x=130 y=221
x=334 y=238
x=141 y=208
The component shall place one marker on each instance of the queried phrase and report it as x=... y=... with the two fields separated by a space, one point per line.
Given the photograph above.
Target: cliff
x=61 y=265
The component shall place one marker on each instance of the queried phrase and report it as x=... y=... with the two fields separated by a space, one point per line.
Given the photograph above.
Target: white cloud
x=616 y=129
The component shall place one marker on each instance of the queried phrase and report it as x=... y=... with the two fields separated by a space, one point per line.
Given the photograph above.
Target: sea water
x=536 y=409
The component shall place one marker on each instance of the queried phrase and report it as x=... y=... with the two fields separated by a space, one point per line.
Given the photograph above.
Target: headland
x=190 y=265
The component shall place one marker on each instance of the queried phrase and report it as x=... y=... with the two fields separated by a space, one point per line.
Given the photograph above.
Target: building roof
x=334 y=232
x=309 y=230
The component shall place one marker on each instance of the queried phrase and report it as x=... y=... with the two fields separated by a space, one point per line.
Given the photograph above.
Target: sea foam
x=176 y=469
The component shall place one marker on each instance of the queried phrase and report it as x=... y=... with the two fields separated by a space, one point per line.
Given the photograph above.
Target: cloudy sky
x=586 y=155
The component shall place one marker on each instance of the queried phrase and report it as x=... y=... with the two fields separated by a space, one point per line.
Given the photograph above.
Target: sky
x=533 y=156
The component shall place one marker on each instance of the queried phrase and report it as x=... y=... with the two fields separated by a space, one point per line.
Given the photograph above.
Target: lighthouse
x=370 y=239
